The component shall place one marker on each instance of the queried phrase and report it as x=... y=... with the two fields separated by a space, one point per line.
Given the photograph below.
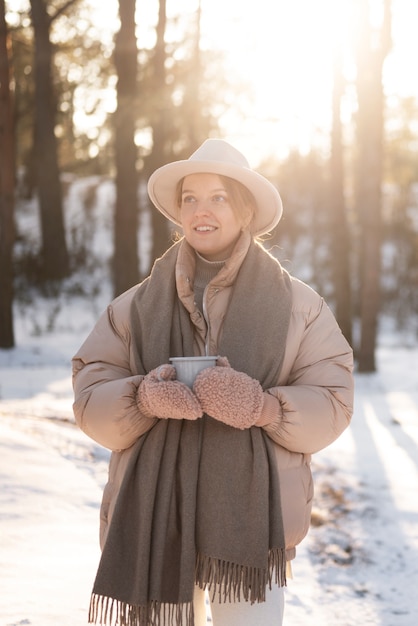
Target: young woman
x=209 y=487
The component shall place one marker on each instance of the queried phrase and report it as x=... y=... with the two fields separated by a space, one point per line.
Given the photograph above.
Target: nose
x=201 y=207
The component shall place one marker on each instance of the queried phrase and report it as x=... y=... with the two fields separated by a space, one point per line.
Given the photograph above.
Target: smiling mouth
x=204 y=229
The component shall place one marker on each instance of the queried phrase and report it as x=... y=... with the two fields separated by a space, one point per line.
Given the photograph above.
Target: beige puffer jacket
x=314 y=391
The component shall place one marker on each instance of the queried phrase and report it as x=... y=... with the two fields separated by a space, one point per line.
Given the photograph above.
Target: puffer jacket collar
x=186 y=264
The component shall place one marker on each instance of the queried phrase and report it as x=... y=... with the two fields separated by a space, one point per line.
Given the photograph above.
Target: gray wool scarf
x=200 y=500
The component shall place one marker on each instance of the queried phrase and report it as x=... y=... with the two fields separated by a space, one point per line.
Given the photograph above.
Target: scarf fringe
x=111 y=612
x=233 y=582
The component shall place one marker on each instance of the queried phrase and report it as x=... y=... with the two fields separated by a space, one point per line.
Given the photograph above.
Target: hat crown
x=219 y=151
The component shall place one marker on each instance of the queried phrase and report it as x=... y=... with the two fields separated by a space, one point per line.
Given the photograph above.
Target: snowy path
x=48 y=533
x=375 y=528
x=359 y=564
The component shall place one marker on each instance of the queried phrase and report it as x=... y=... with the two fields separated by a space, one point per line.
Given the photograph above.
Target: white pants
x=268 y=613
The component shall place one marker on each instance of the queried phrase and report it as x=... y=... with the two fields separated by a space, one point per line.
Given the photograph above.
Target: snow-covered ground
x=358 y=565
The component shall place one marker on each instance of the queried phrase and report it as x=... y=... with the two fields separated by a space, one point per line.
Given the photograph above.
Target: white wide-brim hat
x=216 y=156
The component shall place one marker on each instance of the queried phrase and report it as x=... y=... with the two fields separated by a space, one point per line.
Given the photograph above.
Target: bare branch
x=62 y=10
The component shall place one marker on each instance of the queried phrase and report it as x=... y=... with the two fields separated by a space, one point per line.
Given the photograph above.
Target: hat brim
x=162 y=189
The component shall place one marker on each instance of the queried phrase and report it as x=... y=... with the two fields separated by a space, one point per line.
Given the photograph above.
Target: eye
x=219 y=198
x=187 y=199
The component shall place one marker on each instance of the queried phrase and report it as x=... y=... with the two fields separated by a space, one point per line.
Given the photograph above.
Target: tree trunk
x=160 y=228
x=7 y=187
x=192 y=126
x=194 y=119
x=125 y=261
x=370 y=129
x=54 y=248
x=340 y=237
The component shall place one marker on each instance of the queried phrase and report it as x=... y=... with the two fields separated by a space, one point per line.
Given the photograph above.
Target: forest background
x=108 y=91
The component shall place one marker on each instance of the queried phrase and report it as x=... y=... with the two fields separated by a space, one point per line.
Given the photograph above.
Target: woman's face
x=209 y=222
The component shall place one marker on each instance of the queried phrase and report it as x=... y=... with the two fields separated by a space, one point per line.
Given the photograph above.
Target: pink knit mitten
x=229 y=396
x=160 y=395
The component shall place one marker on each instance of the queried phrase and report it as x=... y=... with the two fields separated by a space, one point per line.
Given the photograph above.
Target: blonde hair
x=240 y=197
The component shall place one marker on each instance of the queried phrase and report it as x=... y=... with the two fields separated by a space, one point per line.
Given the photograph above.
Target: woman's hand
x=161 y=395
x=229 y=396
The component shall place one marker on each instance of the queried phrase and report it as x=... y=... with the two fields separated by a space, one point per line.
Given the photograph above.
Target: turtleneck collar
x=206 y=270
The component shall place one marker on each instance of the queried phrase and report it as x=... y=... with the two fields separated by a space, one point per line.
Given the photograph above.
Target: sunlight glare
x=283 y=51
